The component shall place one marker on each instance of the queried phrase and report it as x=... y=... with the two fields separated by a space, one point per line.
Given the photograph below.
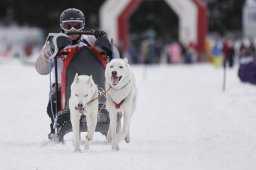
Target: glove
x=104 y=44
x=99 y=34
x=46 y=51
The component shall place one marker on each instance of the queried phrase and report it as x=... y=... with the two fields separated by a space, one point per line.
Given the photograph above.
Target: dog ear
x=90 y=81
x=125 y=60
x=76 y=78
x=107 y=65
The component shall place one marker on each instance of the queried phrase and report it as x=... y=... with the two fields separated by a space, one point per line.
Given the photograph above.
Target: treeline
x=45 y=14
x=223 y=14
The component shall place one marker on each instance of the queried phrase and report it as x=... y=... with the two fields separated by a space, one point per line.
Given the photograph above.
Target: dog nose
x=114 y=73
x=80 y=105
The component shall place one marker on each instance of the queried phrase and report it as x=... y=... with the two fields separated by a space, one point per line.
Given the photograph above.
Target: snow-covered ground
x=184 y=121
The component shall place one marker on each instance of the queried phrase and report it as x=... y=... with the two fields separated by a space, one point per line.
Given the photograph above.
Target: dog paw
x=115 y=147
x=77 y=150
x=87 y=145
x=89 y=137
x=127 y=139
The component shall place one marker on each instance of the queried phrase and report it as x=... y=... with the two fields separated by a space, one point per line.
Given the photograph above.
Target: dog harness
x=117 y=105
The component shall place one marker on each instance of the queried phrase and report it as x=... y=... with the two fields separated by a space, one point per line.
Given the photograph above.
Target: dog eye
x=121 y=67
x=76 y=94
x=111 y=66
x=86 y=95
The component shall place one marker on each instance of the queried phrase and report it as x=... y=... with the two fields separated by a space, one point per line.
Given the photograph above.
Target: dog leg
x=128 y=138
x=114 y=140
x=91 y=126
x=126 y=127
x=108 y=137
x=76 y=136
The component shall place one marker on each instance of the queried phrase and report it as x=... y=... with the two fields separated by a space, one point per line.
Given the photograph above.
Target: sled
x=84 y=60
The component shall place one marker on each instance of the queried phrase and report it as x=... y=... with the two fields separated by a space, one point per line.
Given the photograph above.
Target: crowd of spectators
x=217 y=51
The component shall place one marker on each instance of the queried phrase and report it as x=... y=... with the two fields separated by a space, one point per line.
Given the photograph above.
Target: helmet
x=72 y=18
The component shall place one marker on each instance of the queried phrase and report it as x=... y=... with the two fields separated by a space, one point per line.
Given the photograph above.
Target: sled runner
x=84 y=60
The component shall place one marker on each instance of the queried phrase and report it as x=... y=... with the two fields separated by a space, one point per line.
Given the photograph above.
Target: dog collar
x=117 y=105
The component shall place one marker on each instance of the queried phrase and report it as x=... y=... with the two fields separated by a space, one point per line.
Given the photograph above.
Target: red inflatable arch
x=115 y=14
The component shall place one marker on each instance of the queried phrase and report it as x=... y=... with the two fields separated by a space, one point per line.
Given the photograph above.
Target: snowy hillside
x=183 y=122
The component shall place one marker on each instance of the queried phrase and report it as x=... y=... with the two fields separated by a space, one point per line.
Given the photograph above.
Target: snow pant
x=51 y=108
x=229 y=60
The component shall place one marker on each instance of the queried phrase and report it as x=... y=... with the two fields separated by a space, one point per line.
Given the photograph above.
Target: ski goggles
x=72 y=24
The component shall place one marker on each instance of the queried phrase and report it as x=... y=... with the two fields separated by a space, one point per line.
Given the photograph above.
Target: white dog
x=120 y=97
x=83 y=100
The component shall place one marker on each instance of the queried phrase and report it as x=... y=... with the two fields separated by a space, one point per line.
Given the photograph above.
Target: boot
x=52 y=132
